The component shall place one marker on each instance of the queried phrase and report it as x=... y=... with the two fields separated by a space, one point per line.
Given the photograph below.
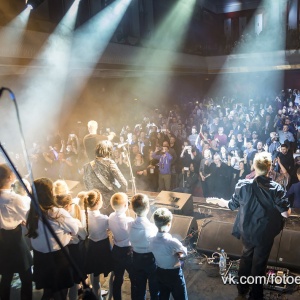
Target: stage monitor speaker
x=289 y=249
x=178 y=203
x=184 y=228
x=216 y=235
x=74 y=186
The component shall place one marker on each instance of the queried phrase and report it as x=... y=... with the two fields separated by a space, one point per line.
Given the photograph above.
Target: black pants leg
x=5 y=284
x=26 y=280
x=253 y=262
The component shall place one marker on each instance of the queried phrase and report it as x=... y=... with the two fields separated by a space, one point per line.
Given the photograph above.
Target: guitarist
x=262 y=205
x=103 y=174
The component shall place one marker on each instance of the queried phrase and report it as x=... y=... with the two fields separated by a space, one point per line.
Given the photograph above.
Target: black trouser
x=253 y=262
x=122 y=259
x=171 y=281
x=144 y=269
x=26 y=288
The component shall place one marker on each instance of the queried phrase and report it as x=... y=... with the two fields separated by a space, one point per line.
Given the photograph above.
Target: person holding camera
x=165 y=161
x=187 y=180
x=186 y=155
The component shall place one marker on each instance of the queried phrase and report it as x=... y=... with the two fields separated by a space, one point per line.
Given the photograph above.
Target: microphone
x=122 y=145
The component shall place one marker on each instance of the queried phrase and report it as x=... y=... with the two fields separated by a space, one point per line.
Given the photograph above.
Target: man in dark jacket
x=262 y=205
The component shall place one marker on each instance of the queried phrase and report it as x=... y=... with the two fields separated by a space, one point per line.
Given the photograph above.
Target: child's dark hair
x=162 y=216
x=140 y=203
x=44 y=191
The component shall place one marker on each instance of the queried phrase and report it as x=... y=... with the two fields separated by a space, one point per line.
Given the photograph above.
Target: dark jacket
x=259 y=218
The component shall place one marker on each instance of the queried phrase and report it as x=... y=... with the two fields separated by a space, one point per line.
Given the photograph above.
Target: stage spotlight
x=32 y=4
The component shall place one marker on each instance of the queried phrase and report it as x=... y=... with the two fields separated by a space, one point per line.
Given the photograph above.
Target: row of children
x=147 y=252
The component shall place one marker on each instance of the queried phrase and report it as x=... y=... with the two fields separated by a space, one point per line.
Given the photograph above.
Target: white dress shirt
x=165 y=248
x=98 y=225
x=118 y=223
x=140 y=232
x=64 y=226
x=13 y=210
x=81 y=234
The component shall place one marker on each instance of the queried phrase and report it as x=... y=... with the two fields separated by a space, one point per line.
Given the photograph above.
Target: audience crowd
x=202 y=148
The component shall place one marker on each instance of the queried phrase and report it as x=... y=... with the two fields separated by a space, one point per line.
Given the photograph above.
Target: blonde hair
x=60 y=187
x=118 y=200
x=262 y=162
x=64 y=200
x=18 y=188
x=91 y=200
x=92 y=124
x=81 y=196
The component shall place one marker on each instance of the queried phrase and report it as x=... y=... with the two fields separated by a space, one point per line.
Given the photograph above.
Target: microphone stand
x=133 y=186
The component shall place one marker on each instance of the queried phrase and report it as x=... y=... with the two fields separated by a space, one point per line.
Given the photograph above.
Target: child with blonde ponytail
x=75 y=246
x=98 y=259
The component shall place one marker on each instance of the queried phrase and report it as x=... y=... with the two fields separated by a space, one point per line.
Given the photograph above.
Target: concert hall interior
x=101 y=100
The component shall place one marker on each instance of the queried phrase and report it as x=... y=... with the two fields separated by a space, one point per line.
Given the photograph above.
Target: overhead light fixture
x=32 y=4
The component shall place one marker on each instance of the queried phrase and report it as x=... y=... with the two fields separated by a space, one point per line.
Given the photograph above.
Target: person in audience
x=14 y=252
x=52 y=271
x=187 y=180
x=144 y=265
x=165 y=161
x=167 y=252
x=139 y=169
x=220 y=178
x=295 y=192
x=285 y=136
x=286 y=158
x=119 y=224
x=205 y=172
x=282 y=177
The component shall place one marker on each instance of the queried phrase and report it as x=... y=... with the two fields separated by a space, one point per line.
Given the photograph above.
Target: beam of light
x=33 y=4
x=259 y=71
x=170 y=36
x=12 y=33
x=43 y=88
x=11 y=37
x=90 y=41
x=171 y=31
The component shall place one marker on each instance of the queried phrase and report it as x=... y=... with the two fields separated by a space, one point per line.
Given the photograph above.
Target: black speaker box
x=289 y=249
x=216 y=235
x=184 y=228
x=177 y=203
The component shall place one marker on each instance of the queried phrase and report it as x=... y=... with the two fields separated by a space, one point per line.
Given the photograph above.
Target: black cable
x=33 y=196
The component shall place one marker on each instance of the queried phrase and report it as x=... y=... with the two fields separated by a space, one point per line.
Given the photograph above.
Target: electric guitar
x=216 y=201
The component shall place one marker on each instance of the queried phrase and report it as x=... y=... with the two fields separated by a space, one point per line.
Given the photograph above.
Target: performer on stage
x=103 y=174
x=14 y=253
x=262 y=205
x=91 y=140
